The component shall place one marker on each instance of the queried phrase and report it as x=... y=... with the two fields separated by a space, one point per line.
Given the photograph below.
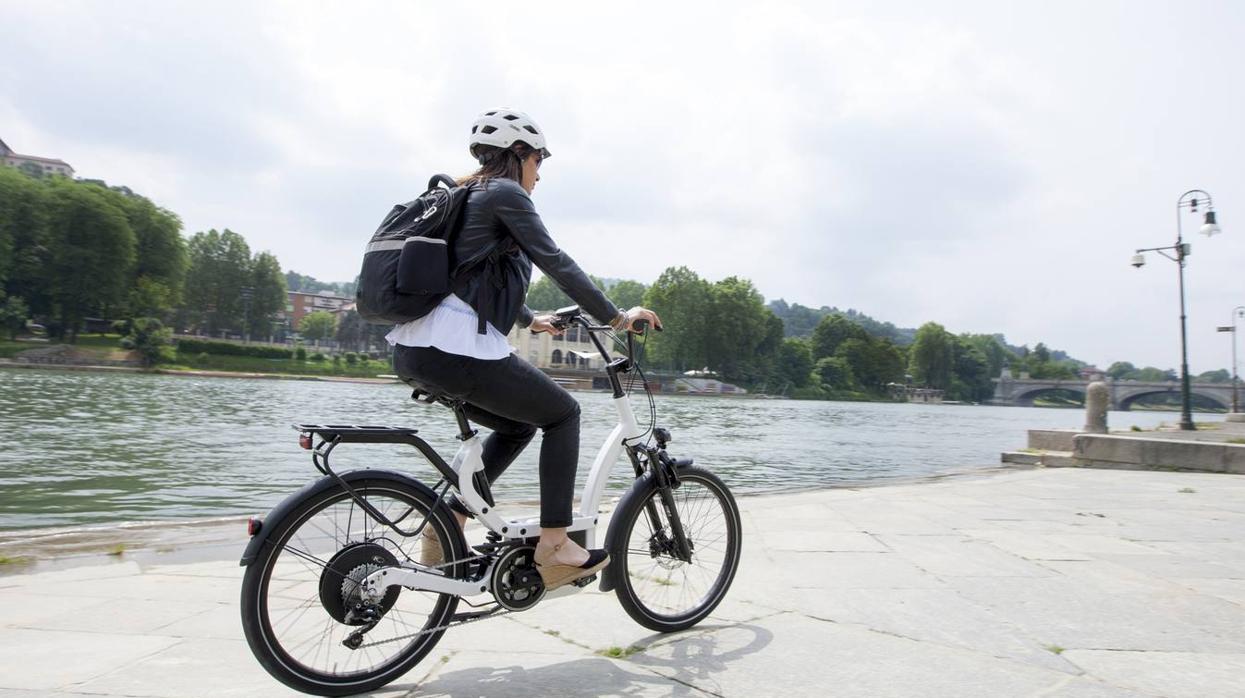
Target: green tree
x=13 y=315
x=220 y=266
x=160 y=255
x=627 y=294
x=874 y=361
x=795 y=361
x=1219 y=375
x=544 y=295
x=682 y=299
x=268 y=295
x=736 y=324
x=91 y=253
x=24 y=253
x=930 y=357
x=831 y=332
x=1041 y=354
x=971 y=379
x=834 y=373
x=1122 y=370
x=352 y=331
x=317 y=325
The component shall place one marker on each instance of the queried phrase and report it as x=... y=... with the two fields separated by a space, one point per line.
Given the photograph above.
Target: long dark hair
x=498 y=163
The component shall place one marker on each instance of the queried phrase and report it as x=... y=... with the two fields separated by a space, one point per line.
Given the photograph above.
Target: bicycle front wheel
x=300 y=597
x=656 y=588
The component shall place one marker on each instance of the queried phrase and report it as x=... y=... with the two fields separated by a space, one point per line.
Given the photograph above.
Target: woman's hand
x=628 y=319
x=544 y=323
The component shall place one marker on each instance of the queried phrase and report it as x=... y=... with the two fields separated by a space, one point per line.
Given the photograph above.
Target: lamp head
x=1139 y=260
x=1211 y=227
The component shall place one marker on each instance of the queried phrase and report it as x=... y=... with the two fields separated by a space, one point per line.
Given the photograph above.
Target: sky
x=990 y=166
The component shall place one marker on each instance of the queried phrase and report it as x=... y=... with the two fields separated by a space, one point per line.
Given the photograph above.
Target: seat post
x=464 y=427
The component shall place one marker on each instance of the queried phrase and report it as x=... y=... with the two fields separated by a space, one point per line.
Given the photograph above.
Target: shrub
x=148 y=338
x=201 y=358
x=337 y=360
x=200 y=346
x=318 y=357
x=300 y=353
x=352 y=358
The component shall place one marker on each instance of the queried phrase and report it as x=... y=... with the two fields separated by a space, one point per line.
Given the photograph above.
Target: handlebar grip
x=639 y=326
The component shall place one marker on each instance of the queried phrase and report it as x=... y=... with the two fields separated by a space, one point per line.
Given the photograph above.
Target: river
x=82 y=447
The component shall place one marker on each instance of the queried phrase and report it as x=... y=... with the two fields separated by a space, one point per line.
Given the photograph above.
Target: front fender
x=278 y=514
x=615 y=537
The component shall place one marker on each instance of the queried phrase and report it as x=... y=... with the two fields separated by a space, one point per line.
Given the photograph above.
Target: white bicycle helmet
x=502 y=127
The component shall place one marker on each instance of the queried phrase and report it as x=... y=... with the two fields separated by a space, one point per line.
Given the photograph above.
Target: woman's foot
x=430 y=552
x=566 y=562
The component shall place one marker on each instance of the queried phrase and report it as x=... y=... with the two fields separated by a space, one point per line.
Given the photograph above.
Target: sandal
x=430 y=552
x=555 y=575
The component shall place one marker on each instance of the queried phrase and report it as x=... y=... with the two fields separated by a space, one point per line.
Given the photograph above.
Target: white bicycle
x=336 y=601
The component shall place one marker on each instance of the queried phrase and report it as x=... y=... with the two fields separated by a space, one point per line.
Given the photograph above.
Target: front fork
x=666 y=477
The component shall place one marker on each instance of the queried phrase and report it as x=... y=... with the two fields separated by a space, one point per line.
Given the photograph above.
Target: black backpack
x=406 y=265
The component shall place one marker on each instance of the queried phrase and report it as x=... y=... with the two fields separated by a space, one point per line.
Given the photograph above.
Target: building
x=46 y=166
x=570 y=351
x=299 y=304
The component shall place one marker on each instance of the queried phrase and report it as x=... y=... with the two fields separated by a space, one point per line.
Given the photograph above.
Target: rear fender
x=278 y=514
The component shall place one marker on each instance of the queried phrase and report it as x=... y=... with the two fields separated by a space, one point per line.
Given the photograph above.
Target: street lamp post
x=1182 y=250
x=1238 y=311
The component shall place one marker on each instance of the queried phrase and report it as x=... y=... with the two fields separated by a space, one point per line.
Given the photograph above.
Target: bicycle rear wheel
x=299 y=595
x=656 y=588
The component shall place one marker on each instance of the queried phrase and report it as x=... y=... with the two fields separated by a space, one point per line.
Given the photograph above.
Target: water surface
x=102 y=448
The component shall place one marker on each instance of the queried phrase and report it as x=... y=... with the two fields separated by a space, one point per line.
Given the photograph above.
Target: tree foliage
x=317 y=325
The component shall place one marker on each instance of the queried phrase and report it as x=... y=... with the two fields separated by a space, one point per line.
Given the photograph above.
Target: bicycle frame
x=468 y=461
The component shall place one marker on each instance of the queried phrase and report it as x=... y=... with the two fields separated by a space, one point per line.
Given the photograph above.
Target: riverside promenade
x=1046 y=582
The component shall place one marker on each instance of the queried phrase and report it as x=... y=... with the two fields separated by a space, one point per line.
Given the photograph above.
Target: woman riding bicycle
x=460 y=350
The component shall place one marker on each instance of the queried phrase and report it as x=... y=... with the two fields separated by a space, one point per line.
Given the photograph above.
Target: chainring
x=516 y=582
x=343 y=577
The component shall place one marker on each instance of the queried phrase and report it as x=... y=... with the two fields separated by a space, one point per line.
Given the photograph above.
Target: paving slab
x=1063 y=582
x=1170 y=674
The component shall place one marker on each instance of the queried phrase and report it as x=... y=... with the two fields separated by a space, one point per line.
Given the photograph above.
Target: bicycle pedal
x=584 y=581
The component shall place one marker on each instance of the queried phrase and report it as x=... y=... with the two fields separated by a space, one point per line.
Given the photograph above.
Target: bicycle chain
x=446 y=626
x=439 y=628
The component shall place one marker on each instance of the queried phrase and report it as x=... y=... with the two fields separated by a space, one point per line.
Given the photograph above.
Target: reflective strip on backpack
x=384 y=245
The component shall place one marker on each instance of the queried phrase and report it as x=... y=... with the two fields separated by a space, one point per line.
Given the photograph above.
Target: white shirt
x=453 y=328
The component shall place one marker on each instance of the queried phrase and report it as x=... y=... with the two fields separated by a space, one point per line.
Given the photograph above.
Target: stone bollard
x=1097 y=399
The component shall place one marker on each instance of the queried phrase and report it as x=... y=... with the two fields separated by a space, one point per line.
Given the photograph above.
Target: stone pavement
x=1068 y=582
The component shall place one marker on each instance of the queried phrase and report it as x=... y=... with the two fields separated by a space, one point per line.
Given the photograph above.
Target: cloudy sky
x=987 y=165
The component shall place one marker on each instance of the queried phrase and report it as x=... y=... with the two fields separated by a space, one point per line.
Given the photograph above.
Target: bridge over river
x=1022 y=391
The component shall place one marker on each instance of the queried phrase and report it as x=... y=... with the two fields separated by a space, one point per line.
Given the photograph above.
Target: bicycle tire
x=277 y=654
x=632 y=569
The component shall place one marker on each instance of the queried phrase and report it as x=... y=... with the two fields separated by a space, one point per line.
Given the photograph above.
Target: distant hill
x=306 y=284
x=799 y=321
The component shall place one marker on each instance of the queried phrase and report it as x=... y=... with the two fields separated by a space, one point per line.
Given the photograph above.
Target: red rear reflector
x=253 y=526
x=304 y=440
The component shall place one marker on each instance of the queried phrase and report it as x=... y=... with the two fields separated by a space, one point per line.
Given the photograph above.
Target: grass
x=251 y=364
x=1135 y=428
x=1034 y=451
x=617 y=652
x=1236 y=441
x=1186 y=490
x=15 y=560
x=1054 y=649
x=10 y=349
x=117 y=550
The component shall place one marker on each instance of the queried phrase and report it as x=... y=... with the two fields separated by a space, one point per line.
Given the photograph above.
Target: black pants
x=513 y=398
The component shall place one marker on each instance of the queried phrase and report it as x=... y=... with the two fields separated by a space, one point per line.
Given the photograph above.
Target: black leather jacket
x=501 y=236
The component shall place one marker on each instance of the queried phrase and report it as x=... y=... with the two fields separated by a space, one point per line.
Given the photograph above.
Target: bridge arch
x=1125 y=402
x=1026 y=398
